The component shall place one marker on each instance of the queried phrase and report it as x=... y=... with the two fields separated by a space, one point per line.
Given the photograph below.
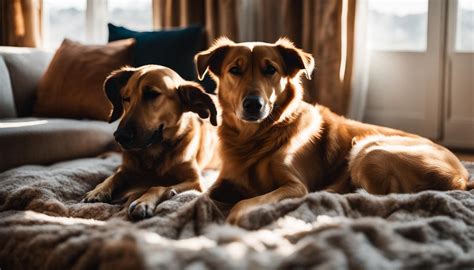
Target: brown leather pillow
x=72 y=84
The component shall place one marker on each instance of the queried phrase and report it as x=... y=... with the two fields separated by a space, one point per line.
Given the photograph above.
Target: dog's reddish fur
x=297 y=147
x=146 y=98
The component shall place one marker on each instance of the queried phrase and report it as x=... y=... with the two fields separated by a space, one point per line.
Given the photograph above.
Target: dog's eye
x=269 y=70
x=126 y=99
x=235 y=71
x=150 y=94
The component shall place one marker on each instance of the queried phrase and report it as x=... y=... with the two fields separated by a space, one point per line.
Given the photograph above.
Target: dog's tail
x=465 y=179
x=470 y=184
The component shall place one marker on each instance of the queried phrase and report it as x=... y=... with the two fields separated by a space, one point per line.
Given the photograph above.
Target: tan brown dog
x=165 y=143
x=275 y=146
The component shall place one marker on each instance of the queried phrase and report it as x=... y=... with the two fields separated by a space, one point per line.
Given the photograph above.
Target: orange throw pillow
x=72 y=84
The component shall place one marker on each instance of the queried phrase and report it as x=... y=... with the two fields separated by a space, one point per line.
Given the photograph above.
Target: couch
x=25 y=139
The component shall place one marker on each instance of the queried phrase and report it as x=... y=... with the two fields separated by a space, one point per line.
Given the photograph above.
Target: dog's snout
x=124 y=136
x=253 y=104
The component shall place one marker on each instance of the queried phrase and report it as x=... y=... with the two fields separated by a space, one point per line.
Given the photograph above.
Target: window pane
x=136 y=14
x=399 y=25
x=465 y=26
x=61 y=19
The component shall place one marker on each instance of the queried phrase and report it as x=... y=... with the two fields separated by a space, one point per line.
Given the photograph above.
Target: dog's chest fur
x=156 y=160
x=291 y=143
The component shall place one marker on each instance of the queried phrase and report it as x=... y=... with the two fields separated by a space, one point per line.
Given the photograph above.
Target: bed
x=43 y=225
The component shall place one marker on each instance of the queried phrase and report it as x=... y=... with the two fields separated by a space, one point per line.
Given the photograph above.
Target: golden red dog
x=275 y=146
x=165 y=143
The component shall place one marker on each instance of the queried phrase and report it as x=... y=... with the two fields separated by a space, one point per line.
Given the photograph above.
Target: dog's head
x=251 y=76
x=150 y=101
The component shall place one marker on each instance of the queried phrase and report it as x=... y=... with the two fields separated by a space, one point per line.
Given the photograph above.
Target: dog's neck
x=160 y=153
x=178 y=130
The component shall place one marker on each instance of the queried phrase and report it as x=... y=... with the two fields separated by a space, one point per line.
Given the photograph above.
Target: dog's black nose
x=253 y=104
x=124 y=136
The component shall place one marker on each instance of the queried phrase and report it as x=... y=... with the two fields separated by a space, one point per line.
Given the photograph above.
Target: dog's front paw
x=144 y=207
x=238 y=212
x=234 y=217
x=98 y=194
x=141 y=209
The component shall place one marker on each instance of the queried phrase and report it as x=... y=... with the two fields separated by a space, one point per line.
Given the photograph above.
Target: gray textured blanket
x=43 y=226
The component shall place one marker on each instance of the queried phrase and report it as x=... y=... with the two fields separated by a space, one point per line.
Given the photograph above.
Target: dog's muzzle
x=125 y=137
x=254 y=108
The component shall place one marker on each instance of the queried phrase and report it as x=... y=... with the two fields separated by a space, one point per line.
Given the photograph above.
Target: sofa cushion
x=72 y=86
x=46 y=140
x=7 y=103
x=174 y=48
x=25 y=67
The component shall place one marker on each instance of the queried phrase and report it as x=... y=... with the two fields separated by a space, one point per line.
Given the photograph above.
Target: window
x=86 y=21
x=398 y=25
x=136 y=14
x=63 y=19
x=465 y=26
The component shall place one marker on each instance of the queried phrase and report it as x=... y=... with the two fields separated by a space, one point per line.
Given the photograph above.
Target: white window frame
x=96 y=19
x=393 y=72
x=459 y=82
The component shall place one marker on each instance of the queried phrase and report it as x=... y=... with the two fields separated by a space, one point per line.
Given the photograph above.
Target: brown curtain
x=219 y=17
x=20 y=23
x=317 y=27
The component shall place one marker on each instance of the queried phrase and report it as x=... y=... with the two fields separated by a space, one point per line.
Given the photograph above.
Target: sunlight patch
x=195 y=243
x=290 y=225
x=23 y=124
x=62 y=220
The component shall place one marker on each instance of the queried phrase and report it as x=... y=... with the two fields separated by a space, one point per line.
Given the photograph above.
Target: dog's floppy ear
x=194 y=99
x=211 y=59
x=295 y=59
x=112 y=86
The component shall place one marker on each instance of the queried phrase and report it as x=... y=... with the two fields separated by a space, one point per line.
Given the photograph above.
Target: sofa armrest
x=49 y=140
x=25 y=67
x=7 y=103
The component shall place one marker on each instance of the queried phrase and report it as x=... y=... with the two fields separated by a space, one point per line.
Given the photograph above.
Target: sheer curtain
x=360 y=67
